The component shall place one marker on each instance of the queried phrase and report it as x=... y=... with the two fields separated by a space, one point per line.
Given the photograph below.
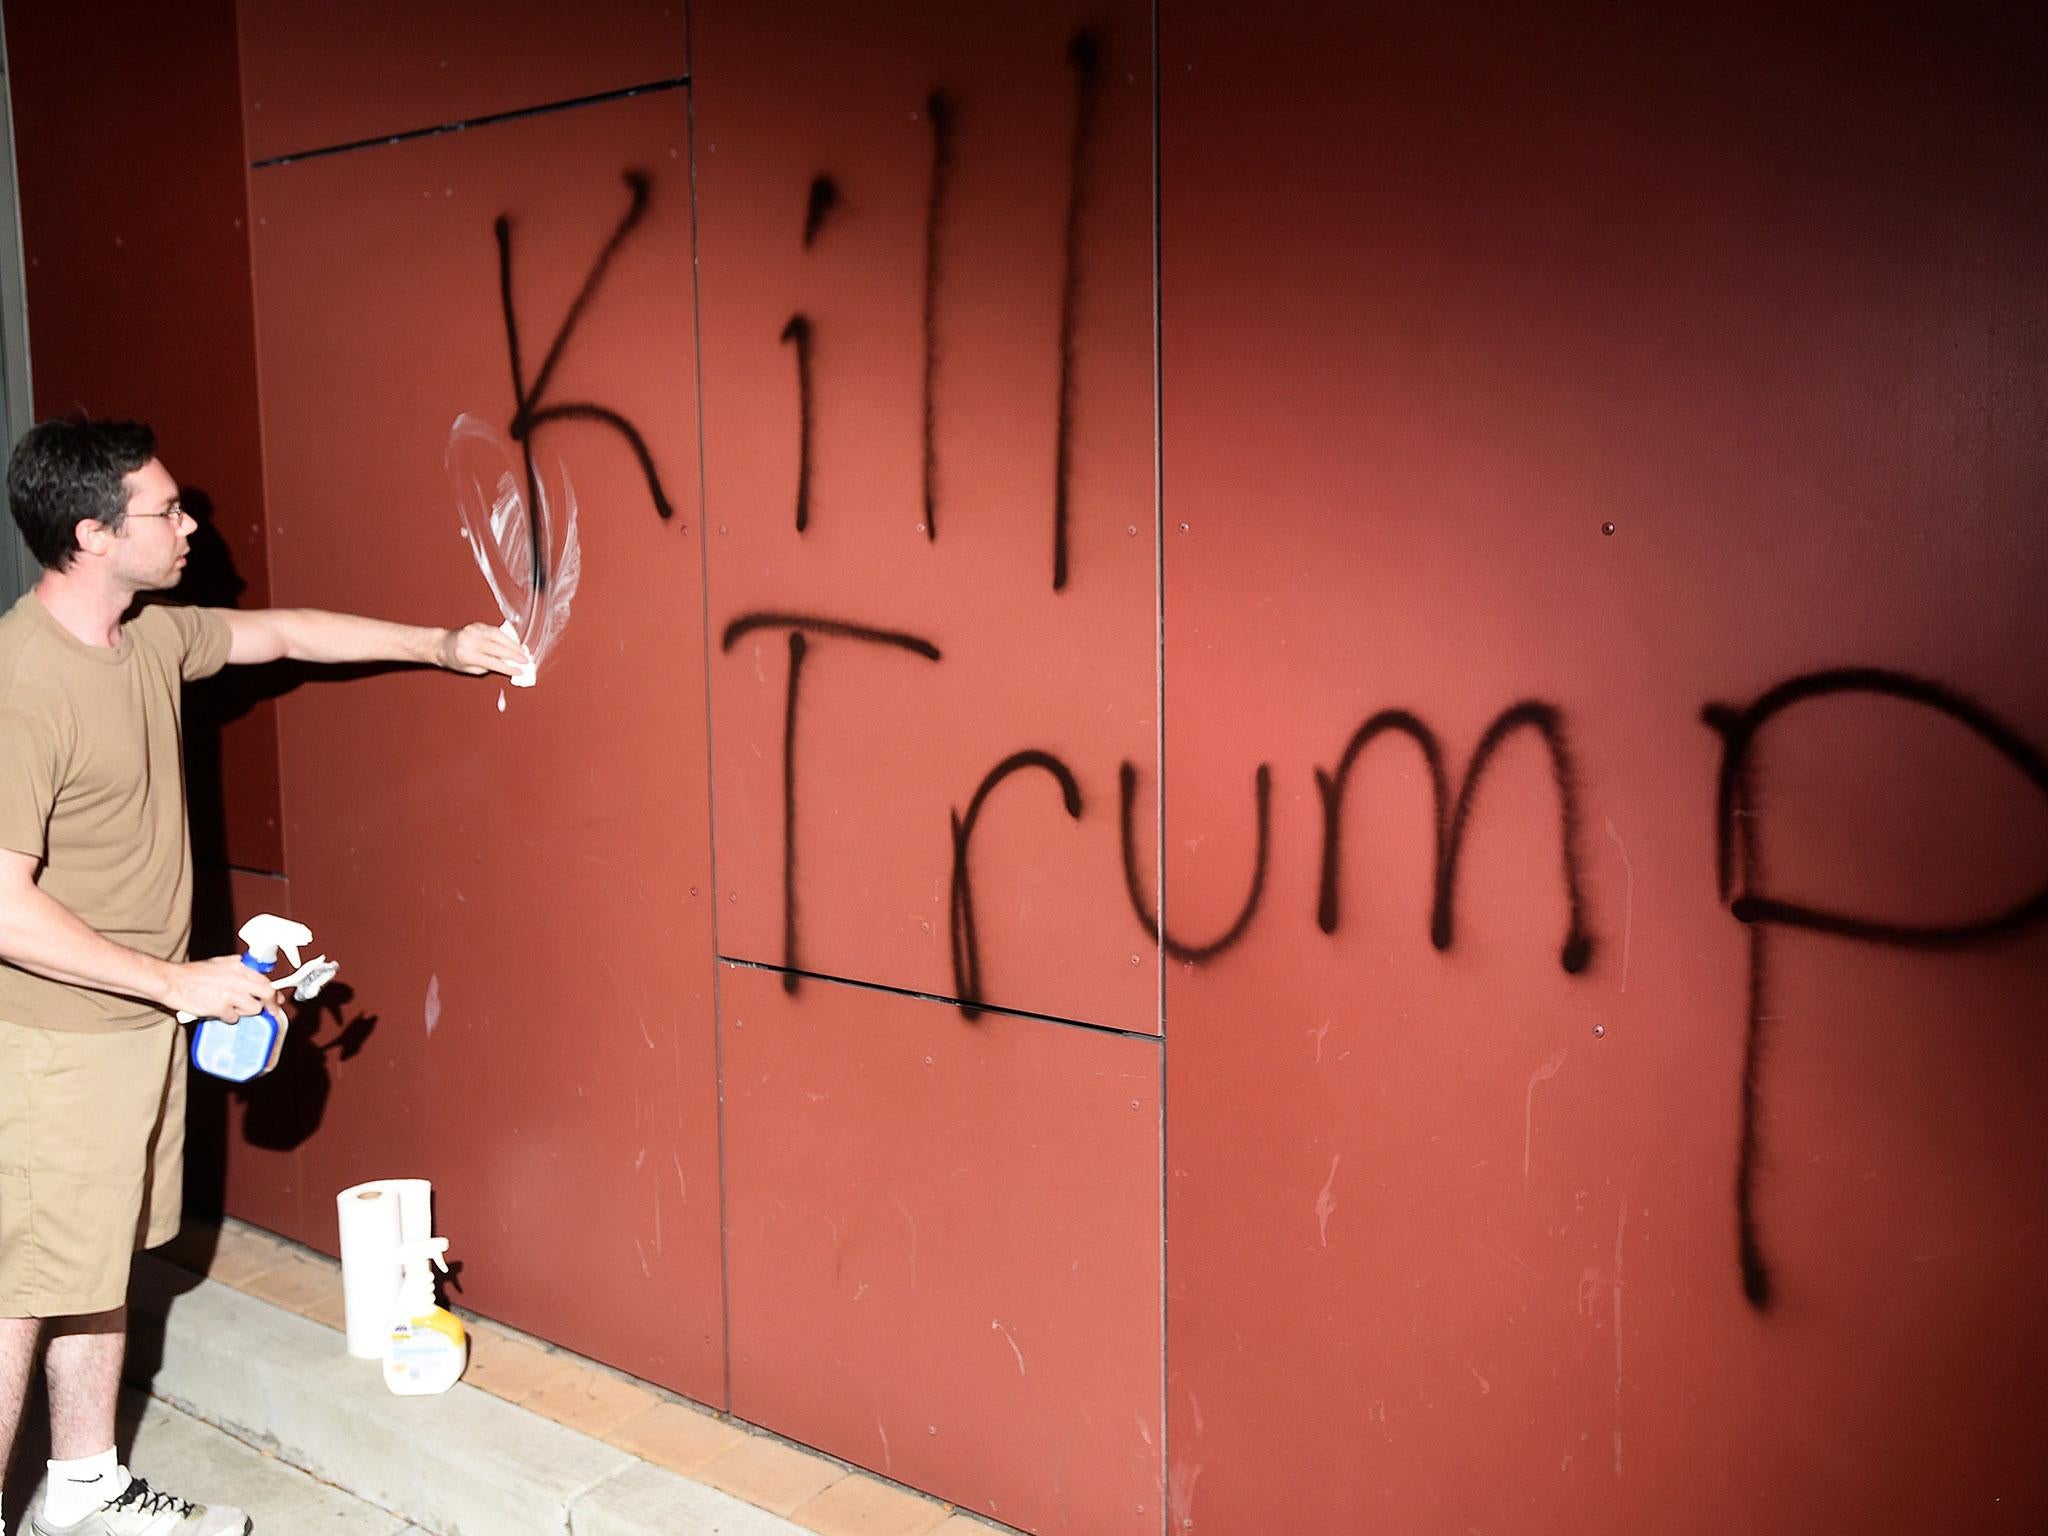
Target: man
x=95 y=913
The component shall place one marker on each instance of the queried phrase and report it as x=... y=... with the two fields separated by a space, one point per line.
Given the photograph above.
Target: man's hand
x=220 y=988
x=479 y=648
x=308 y=634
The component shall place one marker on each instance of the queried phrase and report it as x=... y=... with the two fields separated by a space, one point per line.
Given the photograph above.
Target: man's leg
x=18 y=1337
x=23 y=1056
x=83 y=1366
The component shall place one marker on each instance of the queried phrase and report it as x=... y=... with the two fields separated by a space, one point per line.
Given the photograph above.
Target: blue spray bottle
x=241 y=1050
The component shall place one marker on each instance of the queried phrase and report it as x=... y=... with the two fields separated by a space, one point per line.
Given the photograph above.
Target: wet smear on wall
x=530 y=555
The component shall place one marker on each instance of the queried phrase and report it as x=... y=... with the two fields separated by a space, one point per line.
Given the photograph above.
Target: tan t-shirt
x=92 y=782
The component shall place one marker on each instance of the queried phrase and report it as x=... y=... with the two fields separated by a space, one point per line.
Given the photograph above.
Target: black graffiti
x=941 y=114
x=965 y=943
x=528 y=412
x=1451 y=825
x=1085 y=54
x=799 y=647
x=1451 y=818
x=819 y=206
x=821 y=203
x=1756 y=1273
x=1127 y=788
x=1739 y=861
x=798 y=334
x=811 y=623
x=939 y=108
x=801 y=626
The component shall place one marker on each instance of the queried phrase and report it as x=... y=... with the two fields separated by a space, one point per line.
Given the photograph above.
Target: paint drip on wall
x=506 y=537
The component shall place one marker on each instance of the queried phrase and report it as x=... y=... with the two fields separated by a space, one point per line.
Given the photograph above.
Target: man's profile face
x=148 y=552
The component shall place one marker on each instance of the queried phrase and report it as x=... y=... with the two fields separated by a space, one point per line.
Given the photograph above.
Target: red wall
x=1630 y=364
x=1633 y=1133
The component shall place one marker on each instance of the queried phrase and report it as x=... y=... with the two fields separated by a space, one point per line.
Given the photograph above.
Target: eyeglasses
x=173 y=510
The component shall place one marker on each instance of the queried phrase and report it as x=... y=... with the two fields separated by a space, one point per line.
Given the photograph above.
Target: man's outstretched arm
x=309 y=634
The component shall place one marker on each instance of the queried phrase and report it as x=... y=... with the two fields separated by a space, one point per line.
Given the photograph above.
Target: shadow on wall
x=285 y=1107
x=211 y=581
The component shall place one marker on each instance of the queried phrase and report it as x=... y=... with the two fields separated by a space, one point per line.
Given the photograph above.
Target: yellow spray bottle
x=426 y=1349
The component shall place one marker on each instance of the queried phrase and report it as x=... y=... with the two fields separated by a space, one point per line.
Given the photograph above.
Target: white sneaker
x=143 y=1511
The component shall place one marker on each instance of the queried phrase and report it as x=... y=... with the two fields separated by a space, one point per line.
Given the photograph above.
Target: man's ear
x=91 y=535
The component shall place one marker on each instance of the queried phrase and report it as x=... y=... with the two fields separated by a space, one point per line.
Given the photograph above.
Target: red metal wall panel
x=945 y=1248
x=317 y=75
x=926 y=245
x=516 y=883
x=1600 y=1030
x=1525 y=359
x=138 y=303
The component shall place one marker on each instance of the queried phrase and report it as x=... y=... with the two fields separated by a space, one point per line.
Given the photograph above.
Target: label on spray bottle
x=426 y=1354
x=239 y=1050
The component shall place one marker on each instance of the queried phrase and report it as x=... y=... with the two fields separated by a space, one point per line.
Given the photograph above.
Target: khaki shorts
x=92 y=1162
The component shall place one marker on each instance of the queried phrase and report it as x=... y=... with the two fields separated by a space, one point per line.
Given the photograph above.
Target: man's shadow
x=282 y=1109
x=214 y=704
x=285 y=1107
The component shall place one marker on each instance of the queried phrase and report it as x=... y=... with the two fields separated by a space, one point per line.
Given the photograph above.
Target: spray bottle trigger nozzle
x=266 y=934
x=427 y=1248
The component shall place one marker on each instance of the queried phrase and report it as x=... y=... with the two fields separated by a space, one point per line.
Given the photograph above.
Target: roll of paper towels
x=375 y=1217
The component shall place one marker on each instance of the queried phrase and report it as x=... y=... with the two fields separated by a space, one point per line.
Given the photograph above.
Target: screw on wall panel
x=1607 y=528
x=1599 y=1031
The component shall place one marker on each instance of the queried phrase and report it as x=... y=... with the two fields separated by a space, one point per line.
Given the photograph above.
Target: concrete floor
x=195 y=1460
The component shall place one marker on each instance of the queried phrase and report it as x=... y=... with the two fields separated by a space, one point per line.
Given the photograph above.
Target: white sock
x=78 y=1488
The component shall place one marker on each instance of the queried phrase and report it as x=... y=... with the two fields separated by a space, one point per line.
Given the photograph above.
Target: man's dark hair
x=64 y=472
